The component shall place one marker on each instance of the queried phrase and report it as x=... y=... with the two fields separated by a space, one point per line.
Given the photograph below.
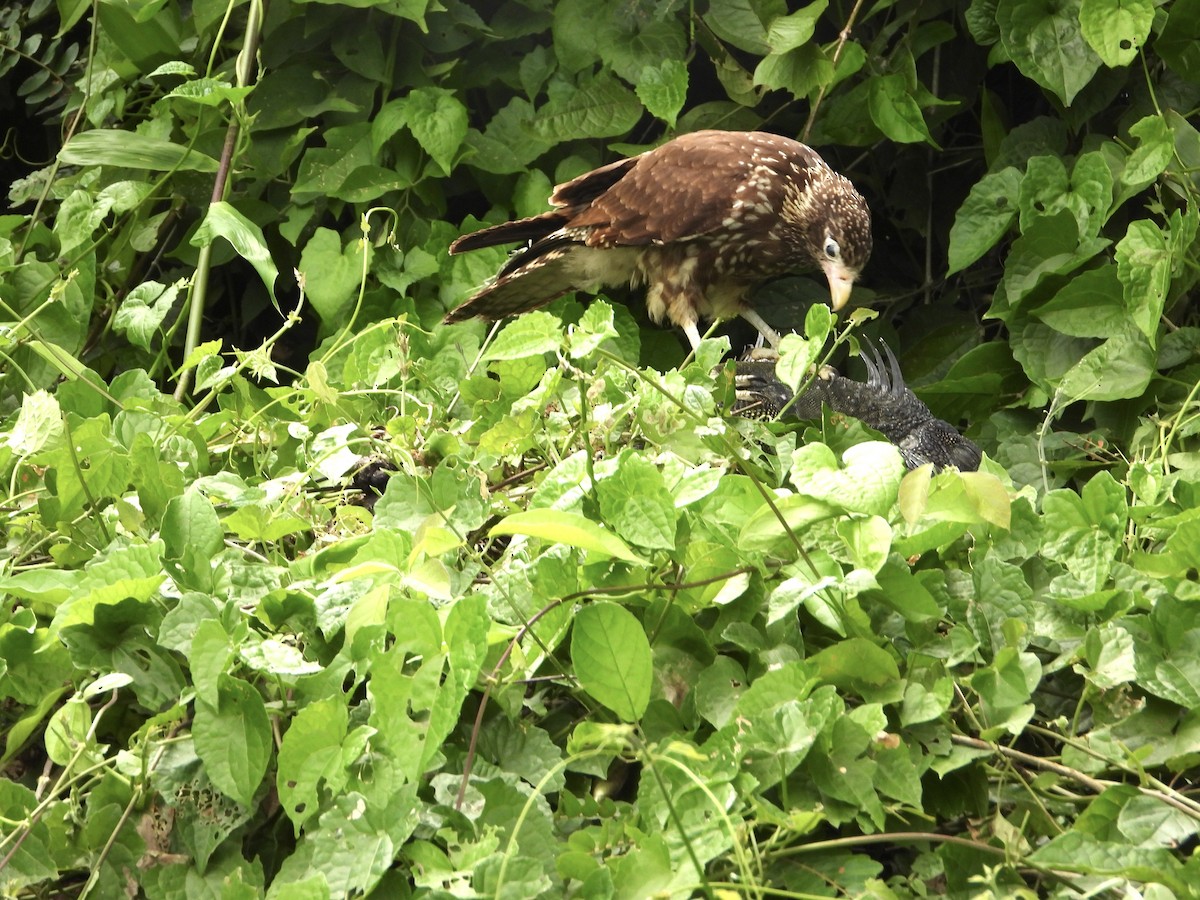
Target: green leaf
x=1118 y=369
x=234 y=739
x=1074 y=851
x=331 y=276
x=662 y=89
x=791 y=31
x=801 y=72
x=141 y=314
x=572 y=529
x=1051 y=246
x=868 y=483
x=1090 y=305
x=1156 y=147
x=612 y=658
x=209 y=654
x=311 y=755
x=856 y=664
x=600 y=107
x=1044 y=39
x=132 y=151
x=210 y=92
x=764 y=529
x=1005 y=689
x=531 y=334
x=1116 y=29
x=1144 y=270
x=635 y=503
x=193 y=535
x=984 y=218
x=797 y=356
x=39 y=425
x=222 y=220
x=895 y=112
x=594 y=328
x=438 y=120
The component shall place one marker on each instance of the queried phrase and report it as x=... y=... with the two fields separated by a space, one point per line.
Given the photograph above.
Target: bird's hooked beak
x=841 y=280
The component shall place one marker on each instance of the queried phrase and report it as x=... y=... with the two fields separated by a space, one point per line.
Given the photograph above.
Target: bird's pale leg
x=693 y=335
x=764 y=331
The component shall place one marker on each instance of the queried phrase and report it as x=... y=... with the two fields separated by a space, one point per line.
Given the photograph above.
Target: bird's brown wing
x=688 y=186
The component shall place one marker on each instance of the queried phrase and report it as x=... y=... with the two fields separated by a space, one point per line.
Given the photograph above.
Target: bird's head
x=834 y=226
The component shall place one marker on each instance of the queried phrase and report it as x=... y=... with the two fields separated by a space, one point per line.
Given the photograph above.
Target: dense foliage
x=596 y=638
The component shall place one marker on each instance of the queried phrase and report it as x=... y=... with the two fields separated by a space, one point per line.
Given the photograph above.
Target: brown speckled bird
x=699 y=221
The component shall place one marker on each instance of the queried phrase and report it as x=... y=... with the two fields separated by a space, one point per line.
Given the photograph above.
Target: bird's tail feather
x=533 y=284
x=521 y=231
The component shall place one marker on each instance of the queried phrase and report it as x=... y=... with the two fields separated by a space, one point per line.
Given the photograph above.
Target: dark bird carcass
x=698 y=221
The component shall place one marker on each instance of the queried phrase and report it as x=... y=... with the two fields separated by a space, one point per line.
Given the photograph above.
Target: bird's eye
x=832 y=250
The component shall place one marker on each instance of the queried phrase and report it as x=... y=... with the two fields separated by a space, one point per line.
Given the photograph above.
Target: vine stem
x=1096 y=785
x=199 y=292
x=843 y=37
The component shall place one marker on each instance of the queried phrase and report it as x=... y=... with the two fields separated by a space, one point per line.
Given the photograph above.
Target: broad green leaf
x=572 y=529
x=740 y=23
x=967 y=497
x=67 y=735
x=1118 y=369
x=791 y=31
x=797 y=355
x=222 y=220
x=1116 y=29
x=532 y=334
x=1044 y=39
x=39 y=425
x=234 y=739
x=663 y=88
x=801 y=72
x=766 y=527
x=984 y=218
x=636 y=504
x=612 y=658
x=895 y=112
x=594 y=328
x=856 y=664
x=311 y=755
x=438 y=120
x=1074 y=851
x=1050 y=246
x=1005 y=688
x=625 y=40
x=209 y=654
x=1090 y=305
x=210 y=92
x=78 y=217
x=1179 y=41
x=600 y=107
x=1156 y=146
x=331 y=276
x=1144 y=270
x=275 y=657
x=193 y=536
x=905 y=593
x=141 y=314
x=868 y=483
x=128 y=150
x=869 y=541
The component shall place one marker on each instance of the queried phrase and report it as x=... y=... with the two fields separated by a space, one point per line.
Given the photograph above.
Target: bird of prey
x=699 y=221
